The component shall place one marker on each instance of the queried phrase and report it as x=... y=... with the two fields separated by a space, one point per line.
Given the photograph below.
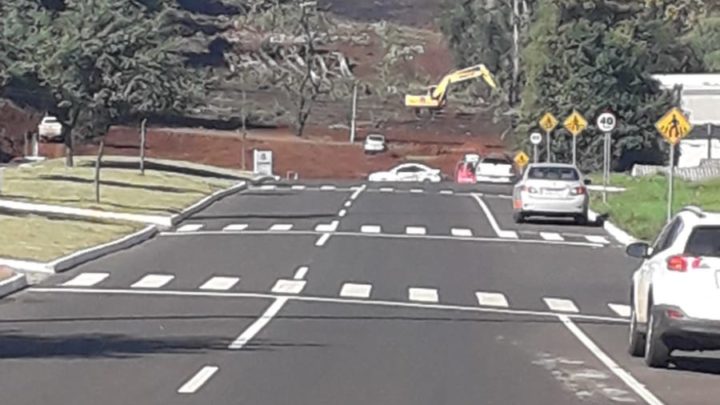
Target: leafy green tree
x=704 y=40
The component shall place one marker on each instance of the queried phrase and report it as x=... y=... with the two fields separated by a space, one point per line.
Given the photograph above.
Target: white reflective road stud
x=190 y=228
x=86 y=280
x=371 y=229
x=220 y=283
x=597 y=239
x=355 y=290
x=284 y=286
x=415 y=230
x=621 y=309
x=281 y=227
x=491 y=299
x=561 y=305
x=236 y=227
x=422 y=294
x=153 y=281
x=461 y=232
x=551 y=236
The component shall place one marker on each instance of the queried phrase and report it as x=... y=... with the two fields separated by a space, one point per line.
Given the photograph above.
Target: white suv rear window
x=704 y=241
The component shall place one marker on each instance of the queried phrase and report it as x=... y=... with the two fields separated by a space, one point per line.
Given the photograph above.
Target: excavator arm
x=436 y=95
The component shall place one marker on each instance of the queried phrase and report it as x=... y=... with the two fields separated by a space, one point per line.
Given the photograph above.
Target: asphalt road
x=344 y=293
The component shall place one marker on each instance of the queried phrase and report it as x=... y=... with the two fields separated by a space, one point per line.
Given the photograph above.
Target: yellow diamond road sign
x=521 y=159
x=575 y=123
x=673 y=126
x=548 y=122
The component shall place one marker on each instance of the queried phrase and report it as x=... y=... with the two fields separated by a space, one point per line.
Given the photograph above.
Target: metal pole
x=354 y=112
x=574 y=149
x=605 y=167
x=671 y=181
x=547 y=145
x=535 y=153
x=709 y=135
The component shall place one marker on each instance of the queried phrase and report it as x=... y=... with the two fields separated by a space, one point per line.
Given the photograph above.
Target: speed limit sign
x=606 y=122
x=536 y=138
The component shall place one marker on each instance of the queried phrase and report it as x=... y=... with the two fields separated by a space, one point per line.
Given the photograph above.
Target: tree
x=704 y=39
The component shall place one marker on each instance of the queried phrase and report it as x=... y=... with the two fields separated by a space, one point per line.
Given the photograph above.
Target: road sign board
x=575 y=123
x=536 y=138
x=263 y=162
x=606 y=122
x=548 y=122
x=673 y=126
x=521 y=159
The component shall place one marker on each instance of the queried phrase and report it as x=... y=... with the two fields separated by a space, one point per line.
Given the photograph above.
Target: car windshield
x=554 y=173
x=704 y=241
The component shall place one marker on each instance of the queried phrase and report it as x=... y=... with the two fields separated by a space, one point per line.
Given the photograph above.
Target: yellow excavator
x=436 y=97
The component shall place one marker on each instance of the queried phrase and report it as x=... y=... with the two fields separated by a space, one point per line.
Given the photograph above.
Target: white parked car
x=551 y=190
x=374 y=143
x=495 y=169
x=411 y=172
x=50 y=128
x=676 y=290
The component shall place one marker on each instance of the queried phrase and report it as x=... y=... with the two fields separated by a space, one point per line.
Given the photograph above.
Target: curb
x=12 y=284
x=621 y=236
x=202 y=204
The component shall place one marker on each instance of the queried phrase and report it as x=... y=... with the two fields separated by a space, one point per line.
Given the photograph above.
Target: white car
x=411 y=172
x=494 y=169
x=50 y=128
x=551 y=190
x=675 y=296
x=374 y=143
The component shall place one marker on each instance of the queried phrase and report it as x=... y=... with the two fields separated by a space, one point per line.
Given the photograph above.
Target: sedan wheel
x=657 y=354
x=636 y=344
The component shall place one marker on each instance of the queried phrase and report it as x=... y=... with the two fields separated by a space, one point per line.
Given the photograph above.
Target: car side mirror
x=587 y=182
x=640 y=250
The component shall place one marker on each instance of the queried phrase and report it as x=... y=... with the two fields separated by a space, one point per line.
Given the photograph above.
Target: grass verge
x=641 y=209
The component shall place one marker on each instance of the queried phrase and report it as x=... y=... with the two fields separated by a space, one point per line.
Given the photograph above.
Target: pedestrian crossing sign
x=521 y=159
x=673 y=126
x=575 y=123
x=548 y=122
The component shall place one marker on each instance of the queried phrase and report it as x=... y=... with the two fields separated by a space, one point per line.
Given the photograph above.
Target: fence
x=708 y=169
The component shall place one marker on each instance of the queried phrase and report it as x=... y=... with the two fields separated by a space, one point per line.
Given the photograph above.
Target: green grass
x=38 y=238
x=121 y=190
x=641 y=209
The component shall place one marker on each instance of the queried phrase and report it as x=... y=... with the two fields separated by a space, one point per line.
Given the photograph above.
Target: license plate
x=554 y=193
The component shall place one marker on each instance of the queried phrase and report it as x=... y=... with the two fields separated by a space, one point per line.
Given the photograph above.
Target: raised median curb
x=205 y=202
x=15 y=282
x=621 y=236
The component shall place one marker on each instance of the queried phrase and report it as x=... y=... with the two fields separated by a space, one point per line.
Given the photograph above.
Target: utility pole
x=354 y=113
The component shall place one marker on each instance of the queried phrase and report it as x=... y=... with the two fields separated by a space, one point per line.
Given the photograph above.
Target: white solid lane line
x=561 y=305
x=281 y=227
x=236 y=227
x=551 y=236
x=86 y=280
x=190 y=228
x=284 y=286
x=298 y=187
x=327 y=187
x=626 y=377
x=621 y=309
x=300 y=272
x=198 y=380
x=259 y=323
x=219 y=283
x=422 y=294
x=461 y=232
x=322 y=240
x=415 y=230
x=501 y=233
x=491 y=299
x=597 y=239
x=370 y=229
x=355 y=290
x=153 y=281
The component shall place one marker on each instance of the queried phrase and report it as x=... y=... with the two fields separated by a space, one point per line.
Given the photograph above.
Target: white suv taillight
x=682 y=263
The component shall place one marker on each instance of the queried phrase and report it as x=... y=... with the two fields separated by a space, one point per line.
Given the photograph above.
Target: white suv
x=676 y=291
x=374 y=143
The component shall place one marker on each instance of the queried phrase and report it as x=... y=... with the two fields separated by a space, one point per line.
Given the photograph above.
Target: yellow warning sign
x=521 y=159
x=548 y=122
x=575 y=123
x=673 y=126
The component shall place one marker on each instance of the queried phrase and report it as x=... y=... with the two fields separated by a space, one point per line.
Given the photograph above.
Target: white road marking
x=86 y=279
x=198 y=380
x=386 y=189
x=354 y=290
x=621 y=309
x=422 y=294
x=300 y=272
x=491 y=299
x=501 y=233
x=447 y=192
x=281 y=227
x=561 y=305
x=298 y=187
x=322 y=240
x=331 y=227
x=625 y=376
x=220 y=283
x=415 y=230
x=370 y=229
x=236 y=227
x=268 y=187
x=464 y=232
x=347 y=204
x=357 y=192
x=327 y=188
x=551 y=236
x=153 y=281
x=259 y=323
x=597 y=239
x=417 y=190
x=342 y=213
x=283 y=286
x=190 y=228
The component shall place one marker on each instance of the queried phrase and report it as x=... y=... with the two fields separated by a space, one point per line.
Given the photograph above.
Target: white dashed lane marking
x=621 y=309
x=235 y=227
x=447 y=192
x=331 y=227
x=386 y=189
x=597 y=239
x=153 y=281
x=551 y=236
x=298 y=187
x=415 y=230
x=561 y=305
x=322 y=240
x=355 y=290
x=461 y=232
x=342 y=213
x=281 y=227
x=347 y=204
x=301 y=272
x=370 y=229
x=220 y=283
x=492 y=299
x=284 y=286
x=190 y=228
x=422 y=294
x=198 y=380
x=86 y=280
x=327 y=188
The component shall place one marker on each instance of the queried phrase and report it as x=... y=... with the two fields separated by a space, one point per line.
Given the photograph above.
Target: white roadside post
x=535 y=139
x=673 y=126
x=606 y=123
x=353 y=113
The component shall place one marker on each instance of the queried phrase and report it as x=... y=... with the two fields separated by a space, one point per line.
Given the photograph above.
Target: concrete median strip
x=13 y=283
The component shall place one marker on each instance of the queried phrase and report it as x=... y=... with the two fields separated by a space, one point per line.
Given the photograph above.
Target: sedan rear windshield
x=377 y=138
x=553 y=173
x=704 y=241
x=496 y=161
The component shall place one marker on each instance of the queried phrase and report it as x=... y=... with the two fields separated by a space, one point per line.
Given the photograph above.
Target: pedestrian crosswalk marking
x=415 y=230
x=422 y=294
x=235 y=227
x=461 y=232
x=327 y=188
x=387 y=190
x=281 y=227
x=551 y=236
x=417 y=190
x=492 y=299
x=370 y=229
x=597 y=239
x=561 y=305
x=219 y=283
x=298 y=187
x=447 y=192
x=153 y=281
x=190 y=228
x=621 y=309
x=355 y=290
x=86 y=280
x=284 y=286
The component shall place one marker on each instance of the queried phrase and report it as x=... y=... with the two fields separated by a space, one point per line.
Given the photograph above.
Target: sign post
x=673 y=126
x=548 y=122
x=575 y=124
x=606 y=122
x=535 y=139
